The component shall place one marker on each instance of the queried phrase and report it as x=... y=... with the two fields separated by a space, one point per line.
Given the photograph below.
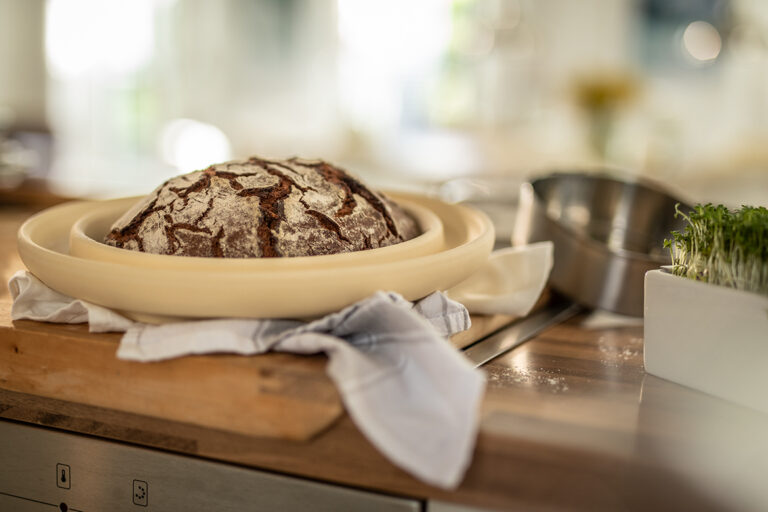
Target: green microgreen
x=722 y=246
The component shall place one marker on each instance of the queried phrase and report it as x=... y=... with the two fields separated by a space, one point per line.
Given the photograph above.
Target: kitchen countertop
x=570 y=421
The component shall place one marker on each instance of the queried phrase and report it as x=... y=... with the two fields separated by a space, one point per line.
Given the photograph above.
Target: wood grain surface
x=570 y=420
x=271 y=396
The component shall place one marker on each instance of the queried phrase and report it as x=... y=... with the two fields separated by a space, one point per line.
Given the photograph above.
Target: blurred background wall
x=111 y=97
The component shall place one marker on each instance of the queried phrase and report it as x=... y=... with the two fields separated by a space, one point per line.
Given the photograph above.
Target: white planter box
x=707 y=337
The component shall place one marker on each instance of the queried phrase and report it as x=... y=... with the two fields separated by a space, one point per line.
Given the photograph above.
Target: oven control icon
x=63 y=477
x=140 y=493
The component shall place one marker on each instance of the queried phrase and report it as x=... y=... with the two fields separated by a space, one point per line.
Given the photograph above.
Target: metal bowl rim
x=615 y=176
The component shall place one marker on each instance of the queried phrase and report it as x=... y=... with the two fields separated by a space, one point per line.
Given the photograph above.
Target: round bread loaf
x=262 y=208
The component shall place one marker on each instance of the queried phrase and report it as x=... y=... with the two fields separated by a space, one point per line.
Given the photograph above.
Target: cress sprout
x=723 y=247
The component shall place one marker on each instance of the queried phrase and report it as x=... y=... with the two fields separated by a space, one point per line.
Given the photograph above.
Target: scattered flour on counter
x=525 y=378
x=616 y=355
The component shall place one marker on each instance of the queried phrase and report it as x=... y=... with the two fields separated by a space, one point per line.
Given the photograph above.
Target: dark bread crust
x=262 y=208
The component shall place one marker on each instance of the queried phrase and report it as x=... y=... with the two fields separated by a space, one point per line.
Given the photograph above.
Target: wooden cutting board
x=272 y=395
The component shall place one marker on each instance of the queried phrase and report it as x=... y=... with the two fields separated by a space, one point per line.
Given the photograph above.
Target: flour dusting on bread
x=262 y=208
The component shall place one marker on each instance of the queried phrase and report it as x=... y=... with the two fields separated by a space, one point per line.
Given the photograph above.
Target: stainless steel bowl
x=608 y=231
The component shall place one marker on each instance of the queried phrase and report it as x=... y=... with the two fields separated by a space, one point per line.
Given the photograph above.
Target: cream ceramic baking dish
x=158 y=294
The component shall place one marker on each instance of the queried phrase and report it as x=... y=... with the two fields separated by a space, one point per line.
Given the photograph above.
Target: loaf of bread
x=262 y=208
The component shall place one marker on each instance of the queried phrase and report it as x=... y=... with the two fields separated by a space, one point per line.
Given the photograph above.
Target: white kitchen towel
x=407 y=389
x=510 y=283
x=33 y=300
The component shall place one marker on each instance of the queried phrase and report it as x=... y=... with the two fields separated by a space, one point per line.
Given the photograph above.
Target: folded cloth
x=407 y=389
x=33 y=300
x=510 y=283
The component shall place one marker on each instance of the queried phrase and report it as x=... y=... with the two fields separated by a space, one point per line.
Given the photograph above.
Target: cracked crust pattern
x=262 y=208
